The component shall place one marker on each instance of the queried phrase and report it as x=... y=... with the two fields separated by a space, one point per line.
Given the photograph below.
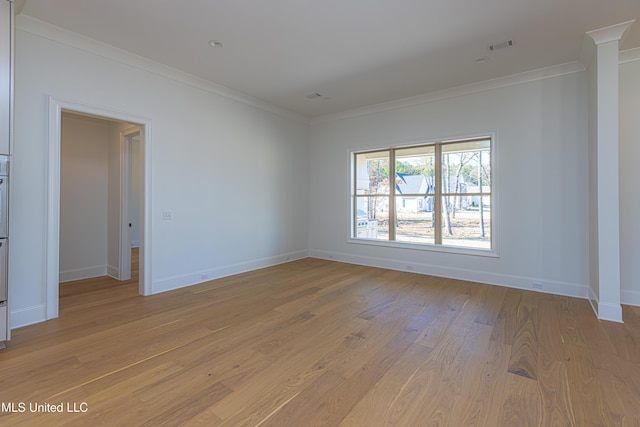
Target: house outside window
x=431 y=195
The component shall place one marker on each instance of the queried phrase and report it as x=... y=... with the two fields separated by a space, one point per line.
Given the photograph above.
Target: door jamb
x=124 y=251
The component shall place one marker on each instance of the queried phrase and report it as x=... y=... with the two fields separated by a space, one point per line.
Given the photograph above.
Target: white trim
x=592 y=39
x=604 y=311
x=135 y=243
x=184 y=280
x=629 y=297
x=124 y=242
x=113 y=272
x=593 y=301
x=83 y=273
x=460 y=250
x=28 y=316
x=577 y=290
x=53 y=196
x=145 y=280
x=94 y=47
x=629 y=55
x=610 y=312
x=611 y=33
x=52 y=274
x=497 y=83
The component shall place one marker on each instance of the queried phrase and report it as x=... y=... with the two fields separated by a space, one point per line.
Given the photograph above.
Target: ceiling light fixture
x=215 y=43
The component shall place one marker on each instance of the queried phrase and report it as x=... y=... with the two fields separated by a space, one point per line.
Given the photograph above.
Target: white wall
x=542 y=181
x=207 y=150
x=84 y=172
x=630 y=180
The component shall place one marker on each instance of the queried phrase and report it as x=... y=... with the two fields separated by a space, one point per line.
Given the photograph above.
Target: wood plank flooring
x=320 y=343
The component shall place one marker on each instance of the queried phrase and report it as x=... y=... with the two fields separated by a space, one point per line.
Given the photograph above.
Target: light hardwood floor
x=319 y=343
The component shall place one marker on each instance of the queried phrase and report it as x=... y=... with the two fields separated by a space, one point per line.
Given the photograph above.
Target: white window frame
x=485 y=252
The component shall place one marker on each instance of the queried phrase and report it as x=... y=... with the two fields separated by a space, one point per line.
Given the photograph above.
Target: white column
x=605 y=211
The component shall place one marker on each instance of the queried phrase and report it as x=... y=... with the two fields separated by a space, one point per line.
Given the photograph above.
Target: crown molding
x=629 y=55
x=65 y=37
x=594 y=38
x=610 y=33
x=497 y=83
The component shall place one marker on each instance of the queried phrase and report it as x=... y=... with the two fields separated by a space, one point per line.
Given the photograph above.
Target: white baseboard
x=83 y=273
x=181 y=281
x=135 y=243
x=605 y=311
x=610 y=312
x=593 y=300
x=519 y=282
x=113 y=272
x=28 y=316
x=629 y=297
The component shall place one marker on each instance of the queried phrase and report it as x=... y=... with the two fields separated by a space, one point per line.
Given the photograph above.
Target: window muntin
x=371 y=215
x=441 y=194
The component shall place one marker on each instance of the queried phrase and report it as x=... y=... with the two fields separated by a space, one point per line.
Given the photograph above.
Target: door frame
x=124 y=250
x=56 y=106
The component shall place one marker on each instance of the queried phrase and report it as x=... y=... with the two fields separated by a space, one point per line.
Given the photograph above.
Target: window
x=440 y=194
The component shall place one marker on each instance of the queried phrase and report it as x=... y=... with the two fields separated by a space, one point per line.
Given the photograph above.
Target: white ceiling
x=354 y=52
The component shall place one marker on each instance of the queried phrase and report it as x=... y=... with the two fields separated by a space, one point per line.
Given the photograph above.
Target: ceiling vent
x=501 y=45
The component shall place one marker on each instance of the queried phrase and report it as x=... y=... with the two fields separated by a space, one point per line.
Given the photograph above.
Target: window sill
x=458 y=250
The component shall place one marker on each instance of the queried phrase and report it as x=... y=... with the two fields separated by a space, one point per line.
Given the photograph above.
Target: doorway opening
x=130 y=197
x=73 y=226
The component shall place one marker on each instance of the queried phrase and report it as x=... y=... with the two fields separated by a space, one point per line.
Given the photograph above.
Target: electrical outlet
x=536 y=285
x=167 y=215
